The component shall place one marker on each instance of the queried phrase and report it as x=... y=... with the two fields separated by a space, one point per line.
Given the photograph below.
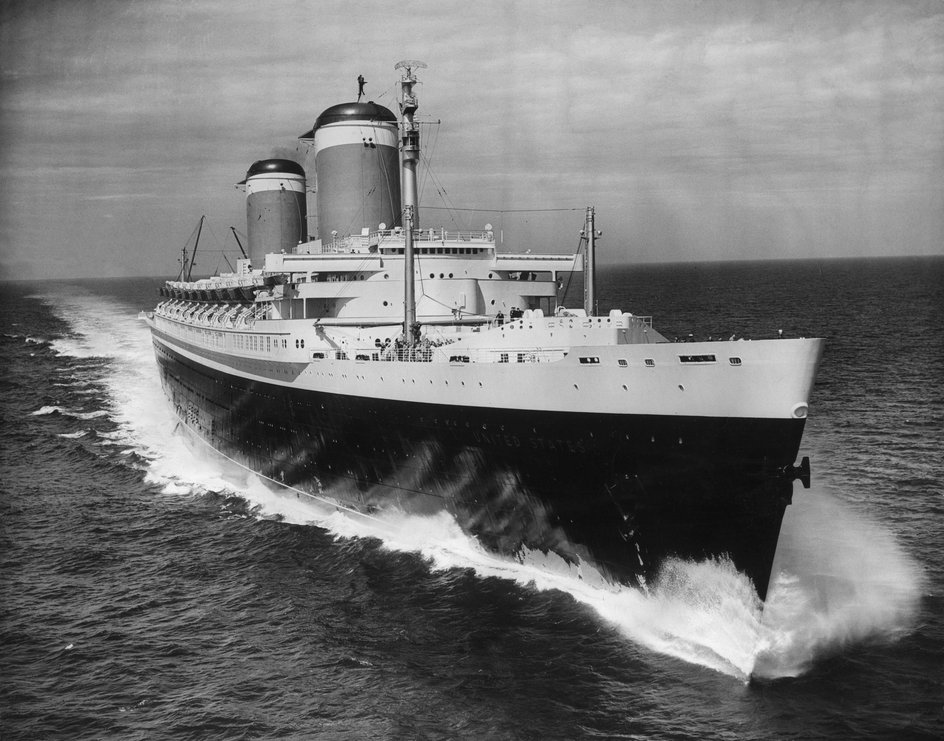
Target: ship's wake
x=839 y=579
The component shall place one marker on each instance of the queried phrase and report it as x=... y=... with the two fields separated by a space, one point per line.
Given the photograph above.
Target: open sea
x=147 y=594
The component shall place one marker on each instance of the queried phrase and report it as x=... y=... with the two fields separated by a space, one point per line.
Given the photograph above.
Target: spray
x=840 y=579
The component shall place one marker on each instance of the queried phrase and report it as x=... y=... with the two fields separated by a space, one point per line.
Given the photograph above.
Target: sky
x=698 y=130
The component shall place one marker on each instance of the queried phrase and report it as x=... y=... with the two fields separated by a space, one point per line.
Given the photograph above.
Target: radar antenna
x=409 y=65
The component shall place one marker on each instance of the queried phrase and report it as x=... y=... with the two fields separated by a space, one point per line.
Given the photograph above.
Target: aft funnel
x=275 y=208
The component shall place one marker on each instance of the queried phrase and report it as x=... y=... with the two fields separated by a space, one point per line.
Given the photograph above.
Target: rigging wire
x=427 y=160
x=507 y=210
x=570 y=275
x=450 y=207
x=183 y=258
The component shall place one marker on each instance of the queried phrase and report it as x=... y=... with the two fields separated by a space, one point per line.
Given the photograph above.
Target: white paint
x=275 y=181
x=355 y=132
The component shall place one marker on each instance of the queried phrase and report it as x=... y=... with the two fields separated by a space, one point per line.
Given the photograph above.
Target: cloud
x=717 y=129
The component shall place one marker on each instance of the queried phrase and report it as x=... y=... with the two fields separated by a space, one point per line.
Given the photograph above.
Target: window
x=503 y=358
x=590 y=360
x=734 y=361
x=623 y=363
x=697 y=358
x=650 y=363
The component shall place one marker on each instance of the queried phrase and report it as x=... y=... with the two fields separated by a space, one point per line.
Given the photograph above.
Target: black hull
x=624 y=492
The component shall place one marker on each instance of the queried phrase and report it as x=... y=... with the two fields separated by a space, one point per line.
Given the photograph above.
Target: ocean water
x=147 y=593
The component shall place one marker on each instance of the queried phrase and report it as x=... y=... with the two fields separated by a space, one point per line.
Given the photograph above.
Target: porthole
x=734 y=361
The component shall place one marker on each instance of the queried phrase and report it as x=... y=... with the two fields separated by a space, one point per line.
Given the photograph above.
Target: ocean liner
x=379 y=362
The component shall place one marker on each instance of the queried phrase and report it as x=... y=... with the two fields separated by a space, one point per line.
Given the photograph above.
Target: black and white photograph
x=502 y=370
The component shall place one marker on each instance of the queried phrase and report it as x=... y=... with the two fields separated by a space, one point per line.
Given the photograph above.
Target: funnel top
x=341 y=112
x=271 y=166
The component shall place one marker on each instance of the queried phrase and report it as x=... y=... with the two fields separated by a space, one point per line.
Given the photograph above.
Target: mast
x=409 y=299
x=409 y=156
x=239 y=244
x=196 y=244
x=590 y=271
x=183 y=262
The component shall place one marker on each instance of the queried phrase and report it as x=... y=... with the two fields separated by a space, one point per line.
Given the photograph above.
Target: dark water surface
x=145 y=593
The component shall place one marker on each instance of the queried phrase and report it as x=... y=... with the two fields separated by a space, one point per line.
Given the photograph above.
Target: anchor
x=801 y=472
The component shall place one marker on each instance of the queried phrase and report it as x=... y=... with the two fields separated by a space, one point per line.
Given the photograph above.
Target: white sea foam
x=111 y=331
x=46 y=410
x=707 y=614
x=42 y=411
x=73 y=435
x=840 y=579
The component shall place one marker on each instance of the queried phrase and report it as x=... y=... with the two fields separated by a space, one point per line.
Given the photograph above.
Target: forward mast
x=409 y=157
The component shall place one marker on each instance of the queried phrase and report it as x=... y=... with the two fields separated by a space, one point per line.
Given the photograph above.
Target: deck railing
x=395 y=237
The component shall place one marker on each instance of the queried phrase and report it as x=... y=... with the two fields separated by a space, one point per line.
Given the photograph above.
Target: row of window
x=266 y=343
x=623 y=363
x=260 y=343
x=435 y=250
x=239 y=341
